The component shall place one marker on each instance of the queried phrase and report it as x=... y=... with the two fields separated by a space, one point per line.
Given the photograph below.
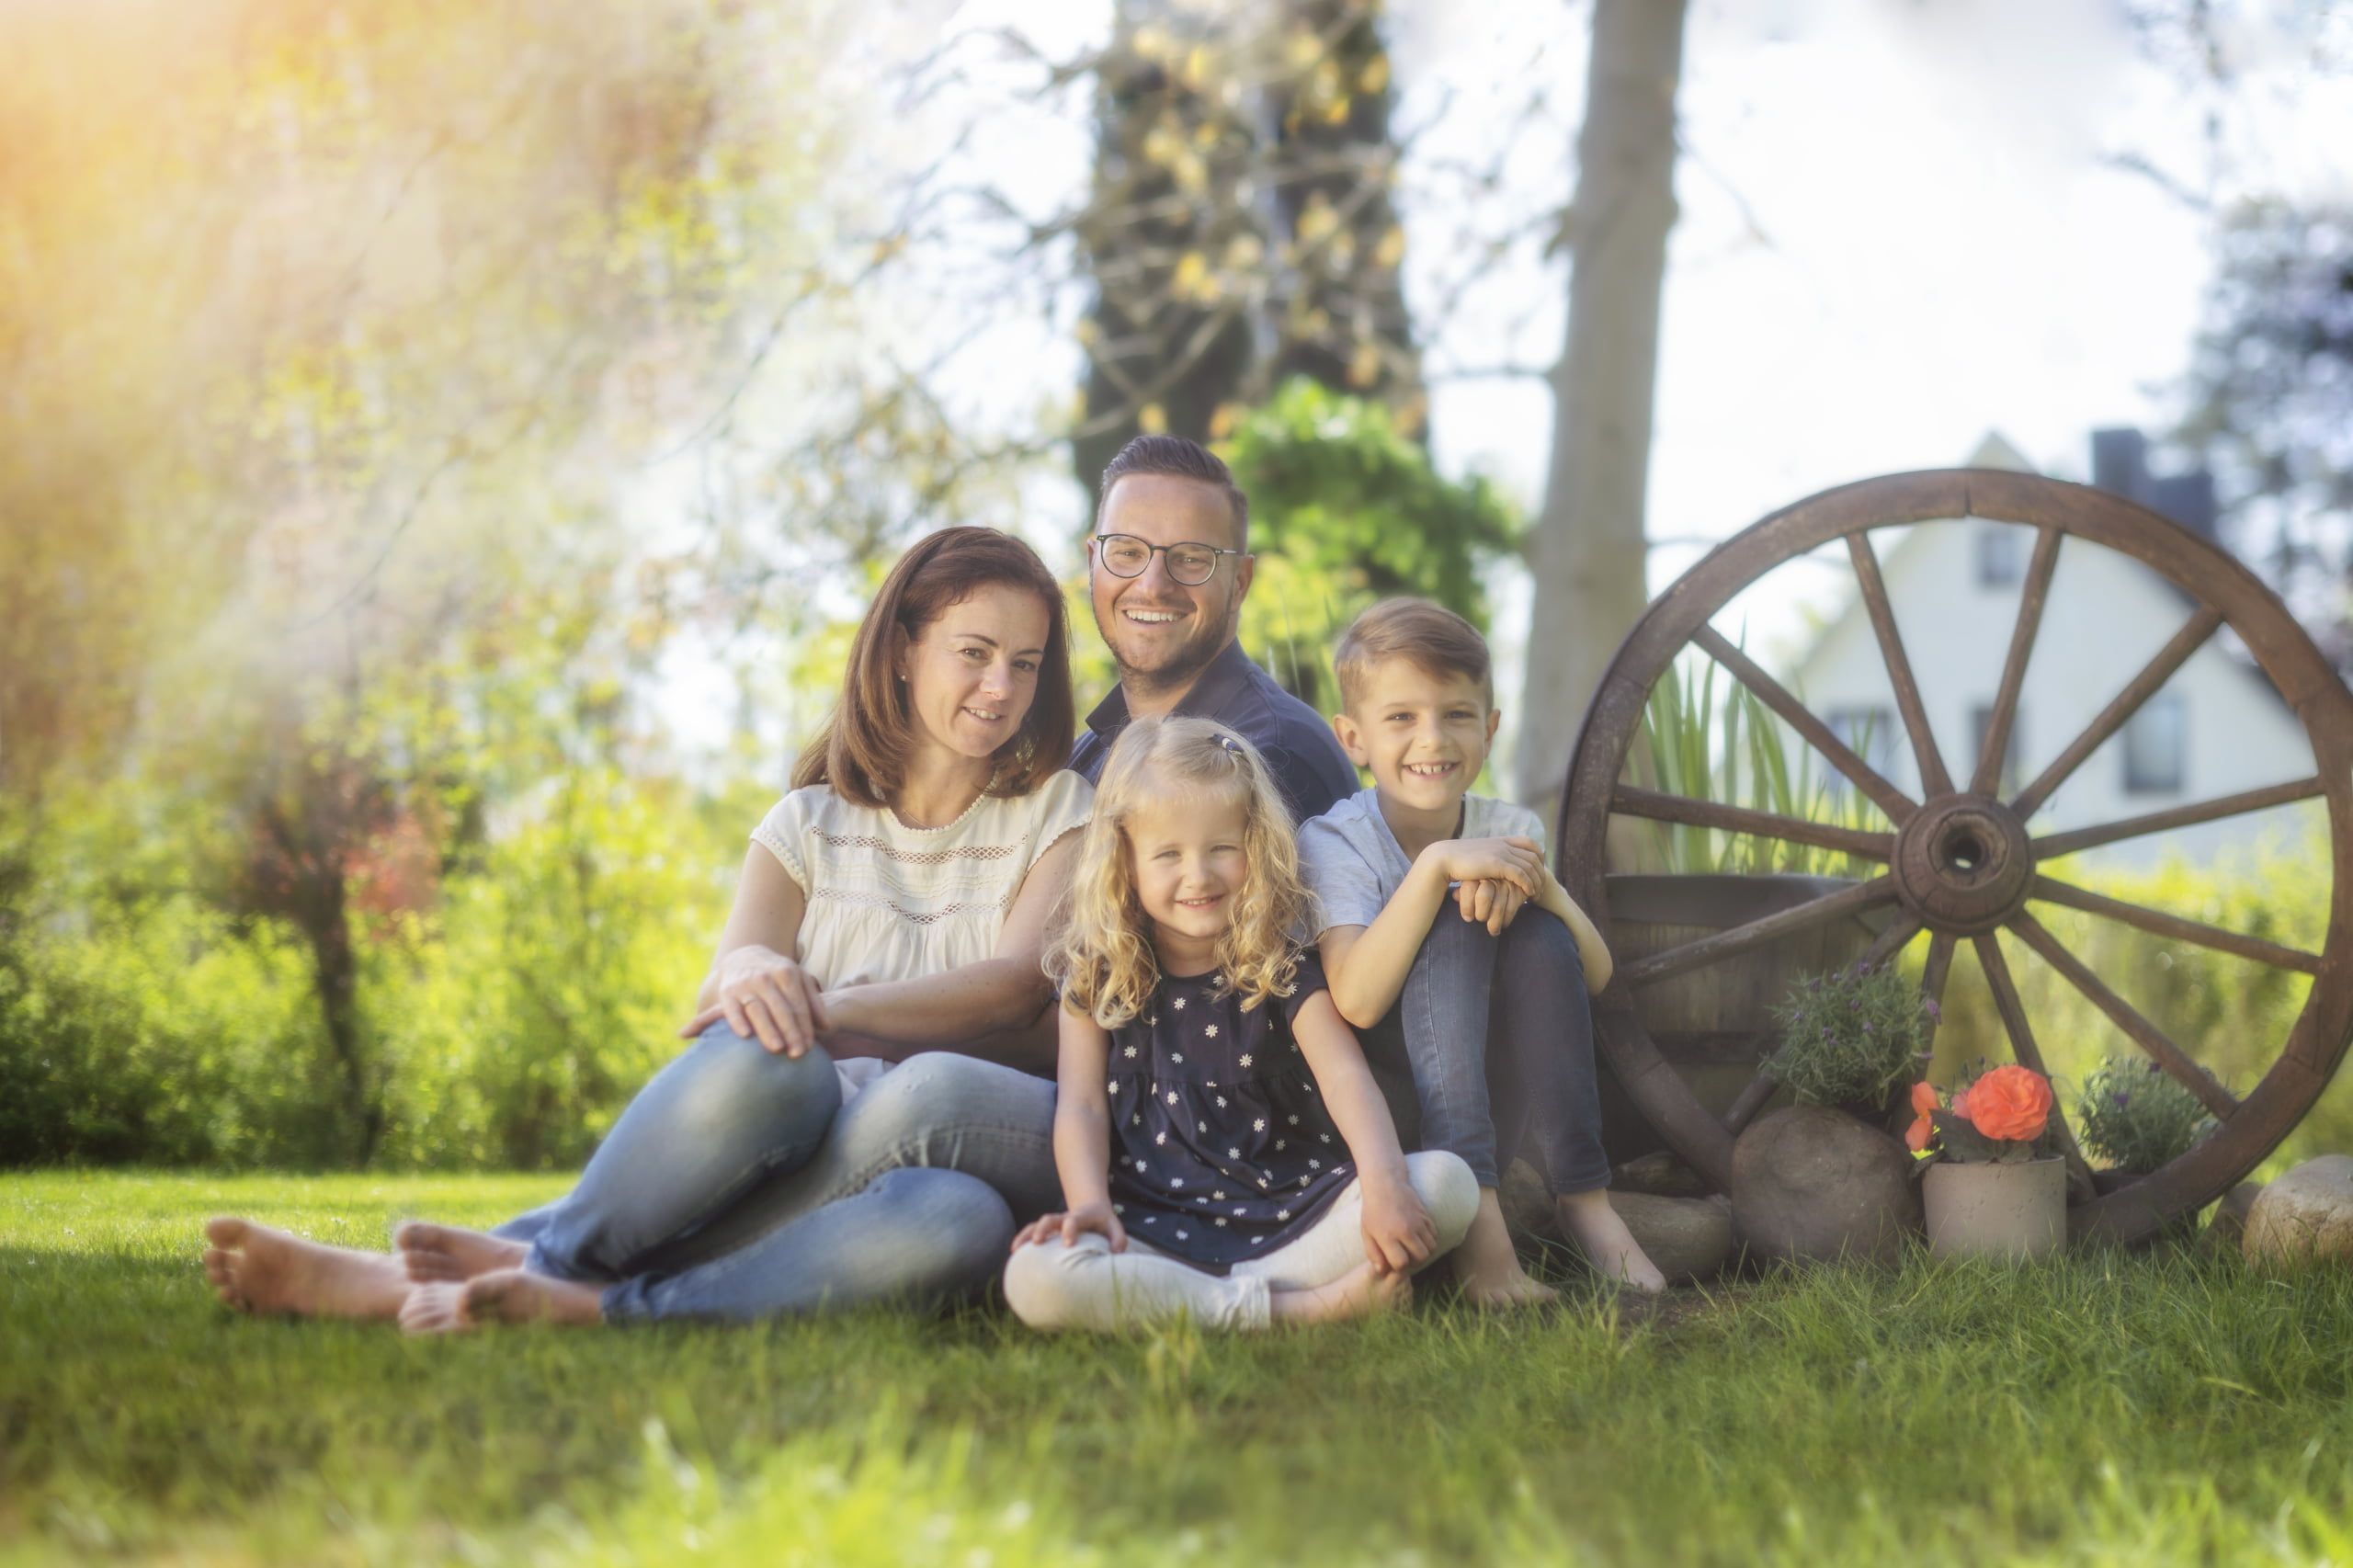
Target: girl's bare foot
x=1361 y=1292
x=257 y=1269
x=1486 y=1266
x=1588 y=1220
x=438 y=1253
x=504 y=1295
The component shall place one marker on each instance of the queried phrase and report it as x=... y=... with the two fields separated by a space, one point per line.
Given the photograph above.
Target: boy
x=1433 y=956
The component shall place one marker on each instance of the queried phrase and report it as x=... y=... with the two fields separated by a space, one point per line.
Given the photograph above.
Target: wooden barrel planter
x=1699 y=958
x=1714 y=1026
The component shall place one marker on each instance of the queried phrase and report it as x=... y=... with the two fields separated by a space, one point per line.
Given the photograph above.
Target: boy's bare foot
x=1588 y=1220
x=1361 y=1292
x=437 y=1253
x=1486 y=1266
x=257 y=1269
x=504 y=1295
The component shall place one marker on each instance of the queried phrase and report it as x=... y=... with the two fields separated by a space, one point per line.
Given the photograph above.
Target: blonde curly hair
x=1100 y=951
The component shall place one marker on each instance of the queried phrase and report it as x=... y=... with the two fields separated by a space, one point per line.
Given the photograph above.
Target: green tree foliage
x=1346 y=508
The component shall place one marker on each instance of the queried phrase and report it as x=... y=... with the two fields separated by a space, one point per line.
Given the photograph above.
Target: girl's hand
x=765 y=996
x=1514 y=861
x=1399 y=1235
x=1067 y=1228
x=1491 y=904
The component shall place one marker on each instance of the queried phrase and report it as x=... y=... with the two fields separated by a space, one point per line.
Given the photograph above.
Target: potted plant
x=1823 y=1178
x=2138 y=1118
x=1994 y=1188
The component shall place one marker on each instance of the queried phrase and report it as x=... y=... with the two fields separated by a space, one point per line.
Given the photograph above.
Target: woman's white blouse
x=890 y=902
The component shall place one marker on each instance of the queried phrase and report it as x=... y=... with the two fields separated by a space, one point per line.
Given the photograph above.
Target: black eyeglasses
x=1124 y=556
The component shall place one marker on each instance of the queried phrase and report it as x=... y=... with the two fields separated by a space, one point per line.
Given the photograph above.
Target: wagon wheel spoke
x=2186 y=641
x=1890 y=942
x=2026 y=1053
x=2006 y=699
x=2143 y=1033
x=1898 y=806
x=1720 y=945
x=2053 y=846
x=1659 y=807
x=1932 y=978
x=2275 y=954
x=1933 y=779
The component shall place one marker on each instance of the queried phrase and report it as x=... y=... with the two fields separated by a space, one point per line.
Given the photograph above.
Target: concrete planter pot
x=2016 y=1212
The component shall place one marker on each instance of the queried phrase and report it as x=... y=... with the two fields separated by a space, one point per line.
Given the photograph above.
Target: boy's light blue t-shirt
x=1354 y=865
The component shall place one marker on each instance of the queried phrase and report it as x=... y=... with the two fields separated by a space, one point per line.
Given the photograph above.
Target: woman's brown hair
x=862 y=750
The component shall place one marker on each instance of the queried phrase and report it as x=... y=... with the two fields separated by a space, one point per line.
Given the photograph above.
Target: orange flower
x=2011 y=1103
x=1923 y=1100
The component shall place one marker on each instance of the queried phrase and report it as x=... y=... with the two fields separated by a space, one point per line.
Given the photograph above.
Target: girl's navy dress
x=1222 y=1150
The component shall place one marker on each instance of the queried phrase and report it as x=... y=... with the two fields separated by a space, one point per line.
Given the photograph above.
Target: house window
x=2001 y=555
x=1869 y=732
x=1981 y=717
x=2156 y=747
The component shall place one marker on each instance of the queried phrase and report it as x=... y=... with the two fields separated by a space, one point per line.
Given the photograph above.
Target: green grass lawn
x=2124 y=1409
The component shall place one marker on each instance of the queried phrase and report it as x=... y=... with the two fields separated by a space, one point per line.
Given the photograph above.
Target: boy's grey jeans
x=1488 y=1053
x=737 y=1184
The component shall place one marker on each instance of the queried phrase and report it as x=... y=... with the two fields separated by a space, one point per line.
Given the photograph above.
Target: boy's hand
x=1067 y=1228
x=1399 y=1235
x=1492 y=903
x=1514 y=861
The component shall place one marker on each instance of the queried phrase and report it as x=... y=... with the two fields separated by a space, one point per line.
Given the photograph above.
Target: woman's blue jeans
x=1489 y=1051
x=737 y=1185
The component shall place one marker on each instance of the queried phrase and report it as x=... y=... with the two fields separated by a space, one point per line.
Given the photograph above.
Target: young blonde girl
x=1222 y=1148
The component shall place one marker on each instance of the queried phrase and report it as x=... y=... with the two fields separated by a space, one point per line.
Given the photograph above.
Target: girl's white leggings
x=1088 y=1286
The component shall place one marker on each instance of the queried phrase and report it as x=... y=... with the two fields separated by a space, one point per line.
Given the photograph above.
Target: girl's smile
x=1187 y=864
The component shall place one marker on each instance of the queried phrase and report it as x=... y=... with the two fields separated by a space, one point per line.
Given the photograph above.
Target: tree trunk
x=1587 y=551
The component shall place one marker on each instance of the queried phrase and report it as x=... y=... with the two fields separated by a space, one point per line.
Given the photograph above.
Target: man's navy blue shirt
x=1309 y=766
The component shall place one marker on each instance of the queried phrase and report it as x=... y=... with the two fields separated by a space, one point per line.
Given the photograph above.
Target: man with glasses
x=1169 y=566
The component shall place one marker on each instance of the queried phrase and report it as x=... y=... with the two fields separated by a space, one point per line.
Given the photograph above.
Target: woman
x=892 y=910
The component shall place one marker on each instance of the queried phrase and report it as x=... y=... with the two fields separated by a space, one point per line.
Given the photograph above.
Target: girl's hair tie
x=1229 y=744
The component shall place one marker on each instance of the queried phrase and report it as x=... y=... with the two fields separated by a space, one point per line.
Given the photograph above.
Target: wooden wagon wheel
x=1961 y=864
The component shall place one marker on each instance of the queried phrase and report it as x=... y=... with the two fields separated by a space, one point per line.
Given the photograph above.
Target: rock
x=2304 y=1217
x=1813 y=1184
x=1688 y=1238
x=1660 y=1174
x=2226 y=1232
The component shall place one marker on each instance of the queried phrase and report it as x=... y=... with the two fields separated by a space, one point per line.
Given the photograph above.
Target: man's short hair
x=1179 y=459
x=1438 y=641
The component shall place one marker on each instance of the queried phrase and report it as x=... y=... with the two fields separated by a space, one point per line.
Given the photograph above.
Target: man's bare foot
x=257 y=1269
x=504 y=1295
x=1361 y=1292
x=438 y=1252
x=1486 y=1266
x=1588 y=1220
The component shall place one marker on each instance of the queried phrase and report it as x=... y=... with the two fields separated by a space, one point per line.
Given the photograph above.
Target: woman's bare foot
x=1588 y=1220
x=504 y=1295
x=257 y=1269
x=1361 y=1292
x=1486 y=1266
x=438 y=1252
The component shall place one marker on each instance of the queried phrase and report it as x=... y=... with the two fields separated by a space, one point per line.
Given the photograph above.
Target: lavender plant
x=2137 y=1117
x=1850 y=1035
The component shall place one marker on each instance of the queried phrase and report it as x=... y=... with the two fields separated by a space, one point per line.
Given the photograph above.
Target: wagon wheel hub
x=1962 y=864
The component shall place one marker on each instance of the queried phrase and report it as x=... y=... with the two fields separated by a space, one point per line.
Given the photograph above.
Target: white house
x=2216 y=727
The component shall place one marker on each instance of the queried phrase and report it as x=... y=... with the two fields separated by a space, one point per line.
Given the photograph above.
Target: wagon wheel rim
x=2010 y=871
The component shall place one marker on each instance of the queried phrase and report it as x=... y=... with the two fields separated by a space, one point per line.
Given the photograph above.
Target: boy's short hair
x=1437 y=641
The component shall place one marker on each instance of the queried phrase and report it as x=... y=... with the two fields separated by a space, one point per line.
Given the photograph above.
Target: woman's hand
x=765 y=996
x=1067 y=1228
x=1399 y=1235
